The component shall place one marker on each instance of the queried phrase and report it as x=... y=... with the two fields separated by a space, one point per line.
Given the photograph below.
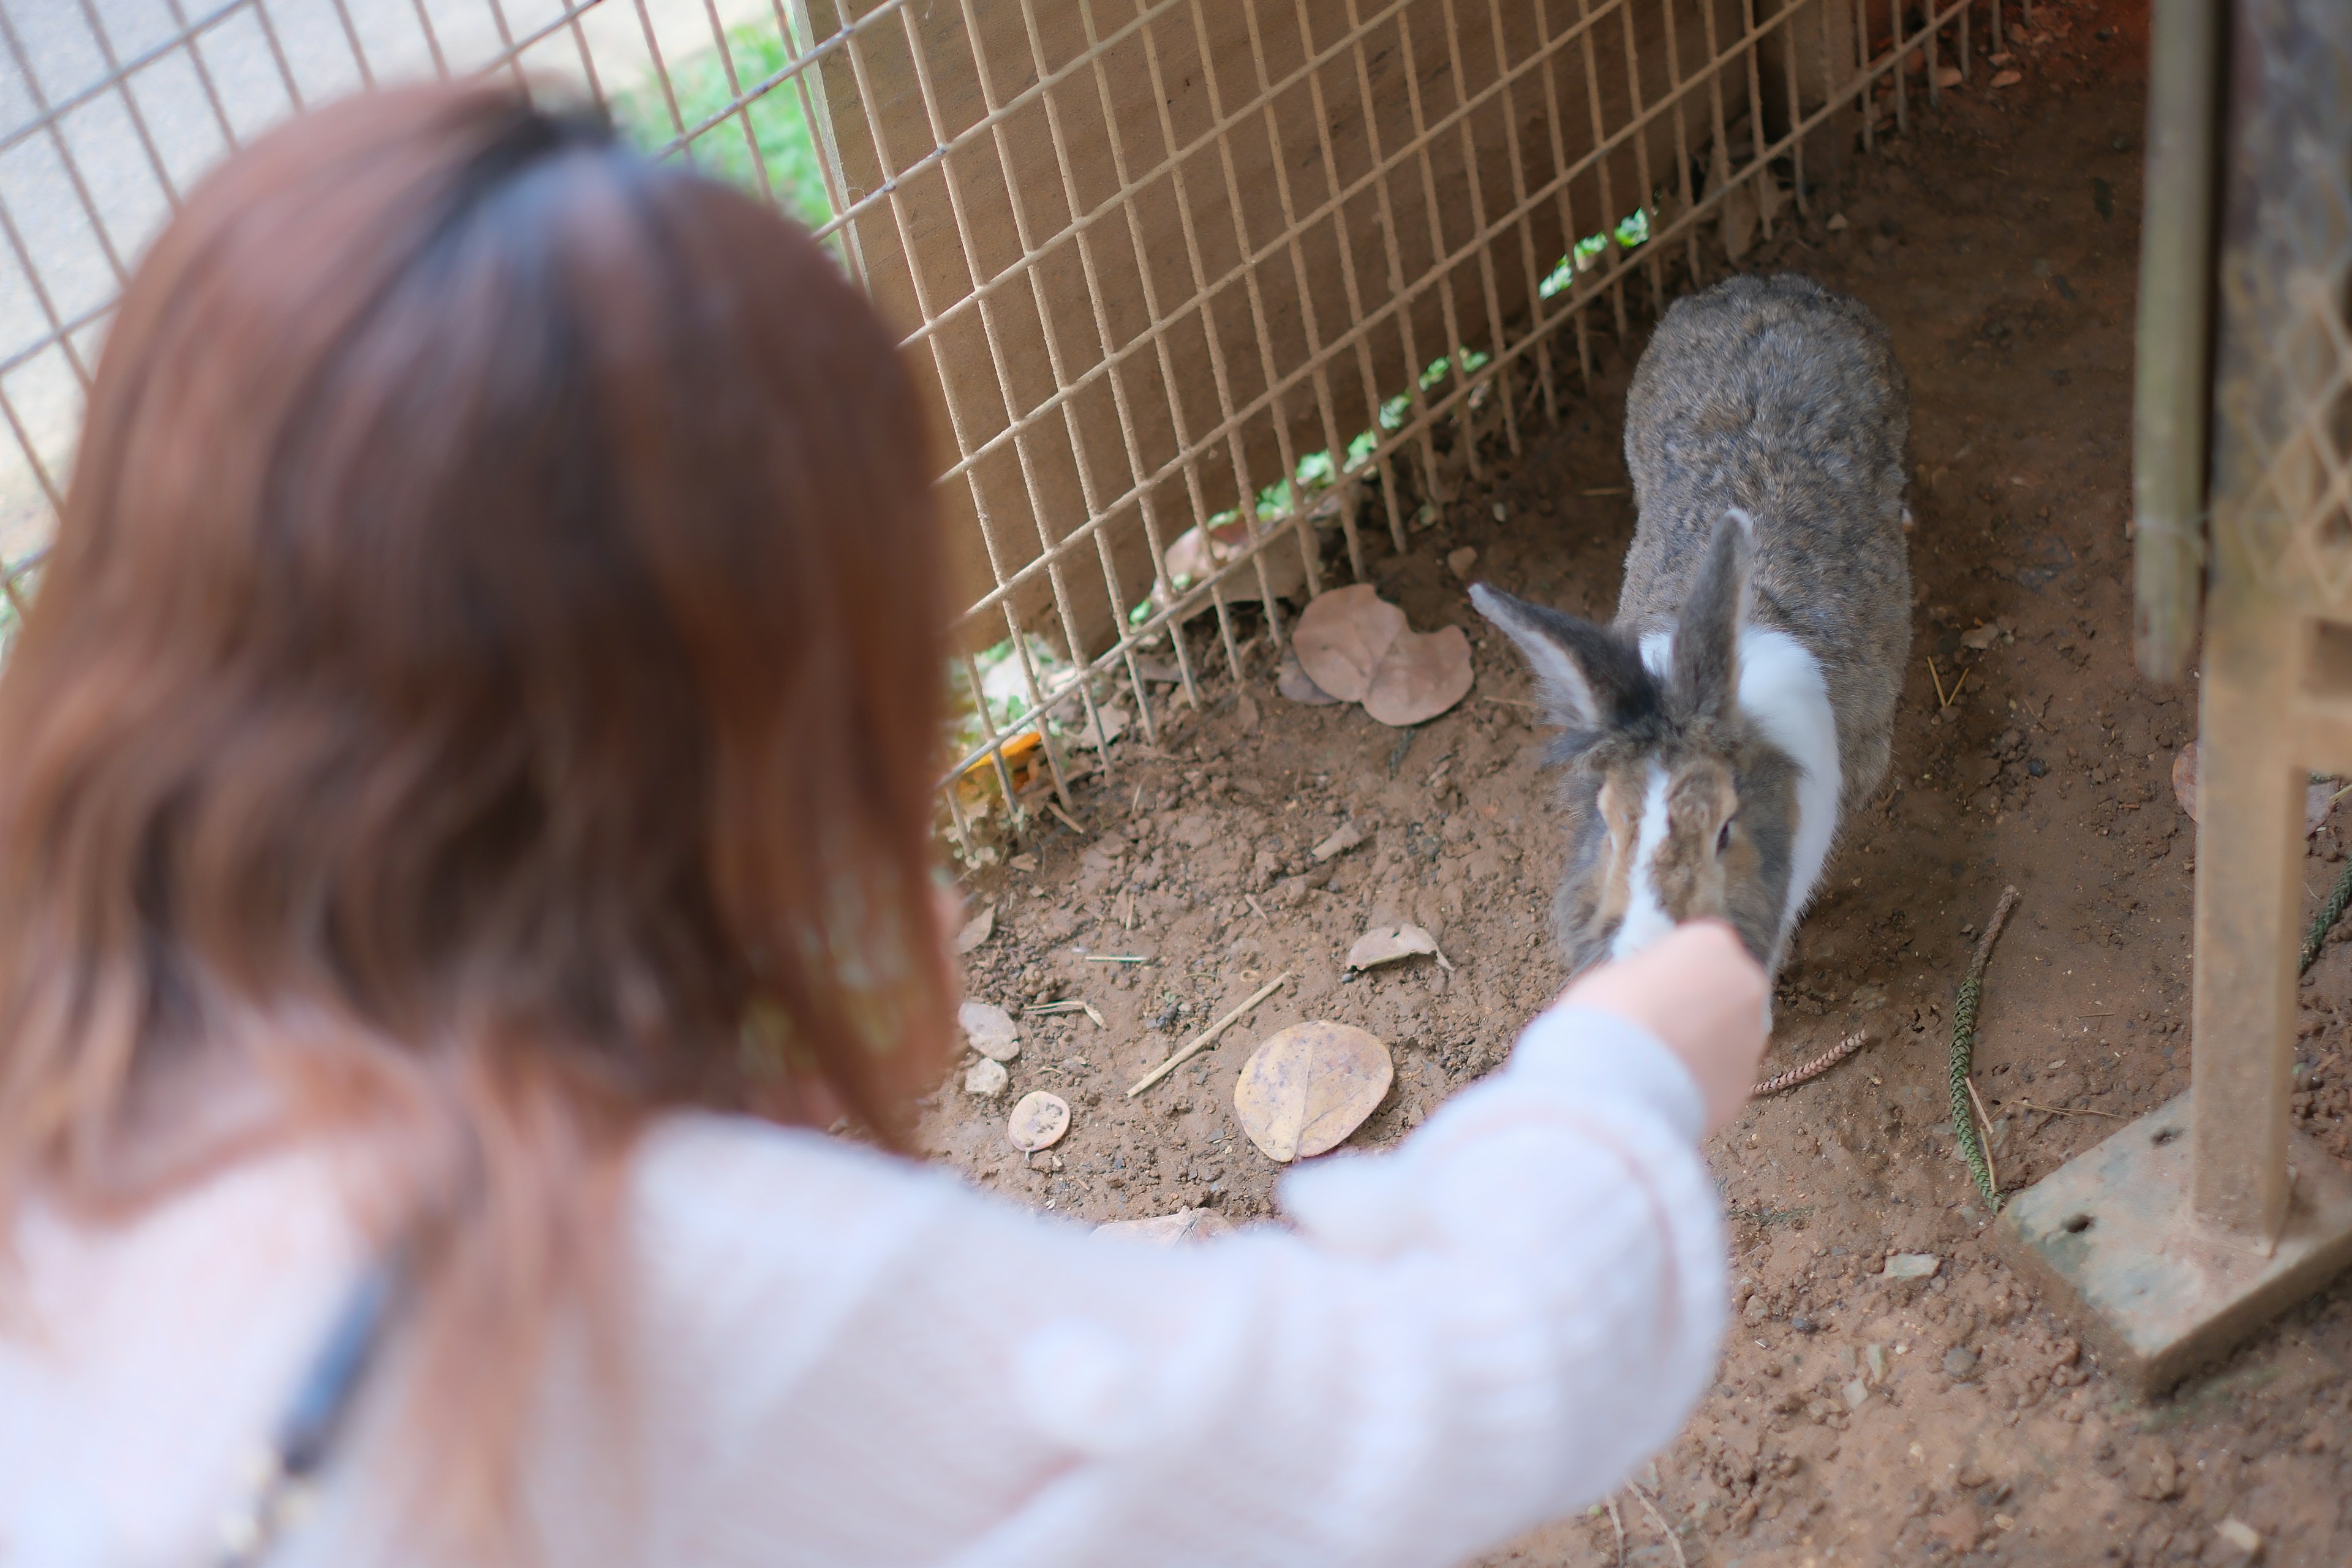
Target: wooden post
x=2249 y=897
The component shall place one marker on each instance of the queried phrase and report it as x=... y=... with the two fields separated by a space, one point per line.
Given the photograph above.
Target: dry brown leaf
x=1293 y=682
x=1342 y=635
x=1344 y=838
x=2008 y=78
x=1038 y=1121
x=1386 y=944
x=1166 y=1229
x=1196 y=555
x=1305 y=1089
x=977 y=930
x=1420 y=676
x=2318 y=799
x=990 y=1030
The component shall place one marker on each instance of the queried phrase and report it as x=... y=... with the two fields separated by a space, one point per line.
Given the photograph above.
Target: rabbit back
x=1777 y=397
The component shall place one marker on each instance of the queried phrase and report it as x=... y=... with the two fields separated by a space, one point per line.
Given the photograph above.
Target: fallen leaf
x=1293 y=682
x=1912 y=1265
x=1038 y=1121
x=1981 y=637
x=1196 y=555
x=1387 y=944
x=1342 y=635
x=1459 y=561
x=1420 y=676
x=977 y=930
x=2008 y=78
x=1947 y=75
x=990 y=1030
x=2318 y=799
x=1346 y=837
x=1306 y=1088
x=1168 y=1229
x=1113 y=722
x=986 y=1077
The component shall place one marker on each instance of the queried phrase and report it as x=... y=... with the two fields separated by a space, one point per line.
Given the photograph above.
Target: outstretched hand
x=1700 y=992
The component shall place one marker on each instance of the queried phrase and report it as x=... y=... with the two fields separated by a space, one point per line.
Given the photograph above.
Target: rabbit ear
x=1591 y=679
x=1705 y=678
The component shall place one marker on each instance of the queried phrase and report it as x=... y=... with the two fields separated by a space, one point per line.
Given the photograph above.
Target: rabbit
x=1743 y=697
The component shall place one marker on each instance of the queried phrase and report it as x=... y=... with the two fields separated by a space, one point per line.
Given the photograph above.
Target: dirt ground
x=1856 y=1420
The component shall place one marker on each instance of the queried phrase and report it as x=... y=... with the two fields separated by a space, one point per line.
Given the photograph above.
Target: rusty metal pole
x=2176 y=283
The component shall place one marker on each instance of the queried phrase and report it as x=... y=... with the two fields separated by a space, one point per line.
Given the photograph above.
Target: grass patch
x=786 y=150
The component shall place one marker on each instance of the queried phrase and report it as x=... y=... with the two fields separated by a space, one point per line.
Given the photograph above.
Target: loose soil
x=1997 y=242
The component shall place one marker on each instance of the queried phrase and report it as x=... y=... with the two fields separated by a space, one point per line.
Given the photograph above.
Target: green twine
x=2329 y=914
x=1964 y=1020
x=1964 y=1045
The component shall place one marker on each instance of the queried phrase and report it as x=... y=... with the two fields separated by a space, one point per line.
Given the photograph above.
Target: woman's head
x=496 y=618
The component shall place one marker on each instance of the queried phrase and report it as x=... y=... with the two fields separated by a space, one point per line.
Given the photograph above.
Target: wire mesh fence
x=1203 y=296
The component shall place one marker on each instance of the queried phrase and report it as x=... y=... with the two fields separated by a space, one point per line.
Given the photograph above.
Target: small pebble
x=2240 y=1534
x=1803 y=1324
x=1959 y=1364
x=1912 y=1265
x=1459 y=561
x=986 y=1077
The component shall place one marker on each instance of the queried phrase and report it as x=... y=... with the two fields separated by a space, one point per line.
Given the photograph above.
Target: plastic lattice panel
x=2283 y=395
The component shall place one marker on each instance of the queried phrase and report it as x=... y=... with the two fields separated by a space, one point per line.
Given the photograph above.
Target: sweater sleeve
x=1483 y=1329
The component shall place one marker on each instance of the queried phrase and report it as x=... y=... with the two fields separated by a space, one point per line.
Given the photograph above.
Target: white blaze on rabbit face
x=1783 y=693
x=1676 y=855
x=1645 y=919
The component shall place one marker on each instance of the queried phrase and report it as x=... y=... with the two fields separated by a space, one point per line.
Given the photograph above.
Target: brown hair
x=488 y=675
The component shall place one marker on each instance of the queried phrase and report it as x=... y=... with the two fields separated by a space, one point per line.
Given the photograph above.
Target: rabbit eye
x=1723 y=839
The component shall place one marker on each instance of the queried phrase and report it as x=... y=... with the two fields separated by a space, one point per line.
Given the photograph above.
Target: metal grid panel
x=2281 y=494
x=1276 y=269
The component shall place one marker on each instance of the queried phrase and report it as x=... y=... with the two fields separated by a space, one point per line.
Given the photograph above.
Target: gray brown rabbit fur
x=1744 y=696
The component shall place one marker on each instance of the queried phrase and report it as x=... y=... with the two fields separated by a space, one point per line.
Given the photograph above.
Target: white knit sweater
x=846 y=1359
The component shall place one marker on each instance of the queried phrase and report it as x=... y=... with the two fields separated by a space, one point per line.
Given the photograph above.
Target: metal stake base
x=2109 y=1236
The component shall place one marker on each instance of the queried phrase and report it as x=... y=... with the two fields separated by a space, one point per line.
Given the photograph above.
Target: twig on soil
x=1814 y=1069
x=1206 y=1037
x=1045 y=1009
x=1985 y=1118
x=1404 y=745
x=1964 y=1043
x=1659 y=1519
x=1255 y=908
x=1941 y=700
x=1619 y=1523
x=1064 y=816
x=1120 y=958
x=2062 y=1111
x=1509 y=701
